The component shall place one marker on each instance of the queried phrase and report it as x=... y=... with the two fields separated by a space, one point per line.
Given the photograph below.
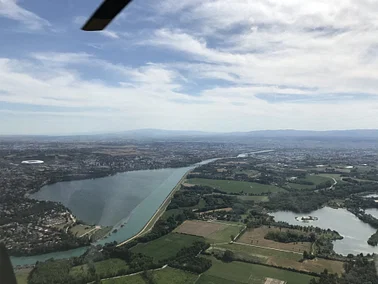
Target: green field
x=240 y=272
x=283 y=259
x=22 y=275
x=209 y=279
x=172 y=276
x=335 y=176
x=164 y=276
x=166 y=246
x=81 y=229
x=134 y=279
x=316 y=179
x=256 y=198
x=230 y=186
x=225 y=234
x=301 y=186
x=263 y=253
x=106 y=268
x=99 y=234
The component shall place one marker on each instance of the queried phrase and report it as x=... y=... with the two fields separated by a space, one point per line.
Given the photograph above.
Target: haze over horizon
x=189 y=65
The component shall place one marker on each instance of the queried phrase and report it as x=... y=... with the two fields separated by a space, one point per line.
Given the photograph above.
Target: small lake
x=355 y=232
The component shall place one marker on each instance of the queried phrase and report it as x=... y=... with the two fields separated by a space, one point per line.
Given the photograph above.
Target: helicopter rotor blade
x=6 y=270
x=102 y=17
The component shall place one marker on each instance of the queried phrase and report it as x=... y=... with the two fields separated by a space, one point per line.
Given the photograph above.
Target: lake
x=107 y=201
x=128 y=199
x=355 y=232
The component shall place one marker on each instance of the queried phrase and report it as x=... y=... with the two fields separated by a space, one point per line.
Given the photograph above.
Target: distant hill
x=159 y=133
x=182 y=135
x=363 y=133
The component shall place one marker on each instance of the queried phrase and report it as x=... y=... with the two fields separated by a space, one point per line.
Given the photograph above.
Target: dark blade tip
x=107 y=11
x=6 y=269
x=94 y=24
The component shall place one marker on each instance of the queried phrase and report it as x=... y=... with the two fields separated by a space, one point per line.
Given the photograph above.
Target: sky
x=209 y=65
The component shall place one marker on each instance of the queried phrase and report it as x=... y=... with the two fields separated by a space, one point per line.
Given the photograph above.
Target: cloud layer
x=206 y=65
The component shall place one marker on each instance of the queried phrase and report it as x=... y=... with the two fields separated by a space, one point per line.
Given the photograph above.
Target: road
x=334 y=183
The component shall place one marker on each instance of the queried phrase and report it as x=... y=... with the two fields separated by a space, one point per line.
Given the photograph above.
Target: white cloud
x=152 y=96
x=64 y=58
x=327 y=45
x=80 y=20
x=109 y=34
x=10 y=9
x=235 y=65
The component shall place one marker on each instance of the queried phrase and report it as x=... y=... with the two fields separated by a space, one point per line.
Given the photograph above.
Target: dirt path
x=90 y=231
x=228 y=224
x=281 y=250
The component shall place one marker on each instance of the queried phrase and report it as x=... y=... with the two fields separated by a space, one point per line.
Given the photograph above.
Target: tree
x=228 y=256
x=305 y=255
x=91 y=268
x=232 y=238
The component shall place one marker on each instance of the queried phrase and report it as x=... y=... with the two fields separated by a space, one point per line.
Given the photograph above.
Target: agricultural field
x=337 y=177
x=210 y=279
x=316 y=179
x=256 y=237
x=283 y=259
x=173 y=276
x=22 y=275
x=104 y=268
x=230 y=186
x=213 y=231
x=163 y=276
x=166 y=246
x=255 y=198
x=80 y=230
x=101 y=233
x=300 y=186
x=240 y=272
x=134 y=279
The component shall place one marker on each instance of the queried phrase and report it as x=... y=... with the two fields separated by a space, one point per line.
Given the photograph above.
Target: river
x=129 y=198
x=355 y=232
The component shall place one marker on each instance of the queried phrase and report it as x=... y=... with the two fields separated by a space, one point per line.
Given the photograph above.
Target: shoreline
x=160 y=211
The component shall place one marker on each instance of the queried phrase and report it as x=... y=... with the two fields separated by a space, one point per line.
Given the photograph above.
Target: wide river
x=128 y=199
x=355 y=232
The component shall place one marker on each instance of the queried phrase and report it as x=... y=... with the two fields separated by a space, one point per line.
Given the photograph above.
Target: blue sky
x=211 y=65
